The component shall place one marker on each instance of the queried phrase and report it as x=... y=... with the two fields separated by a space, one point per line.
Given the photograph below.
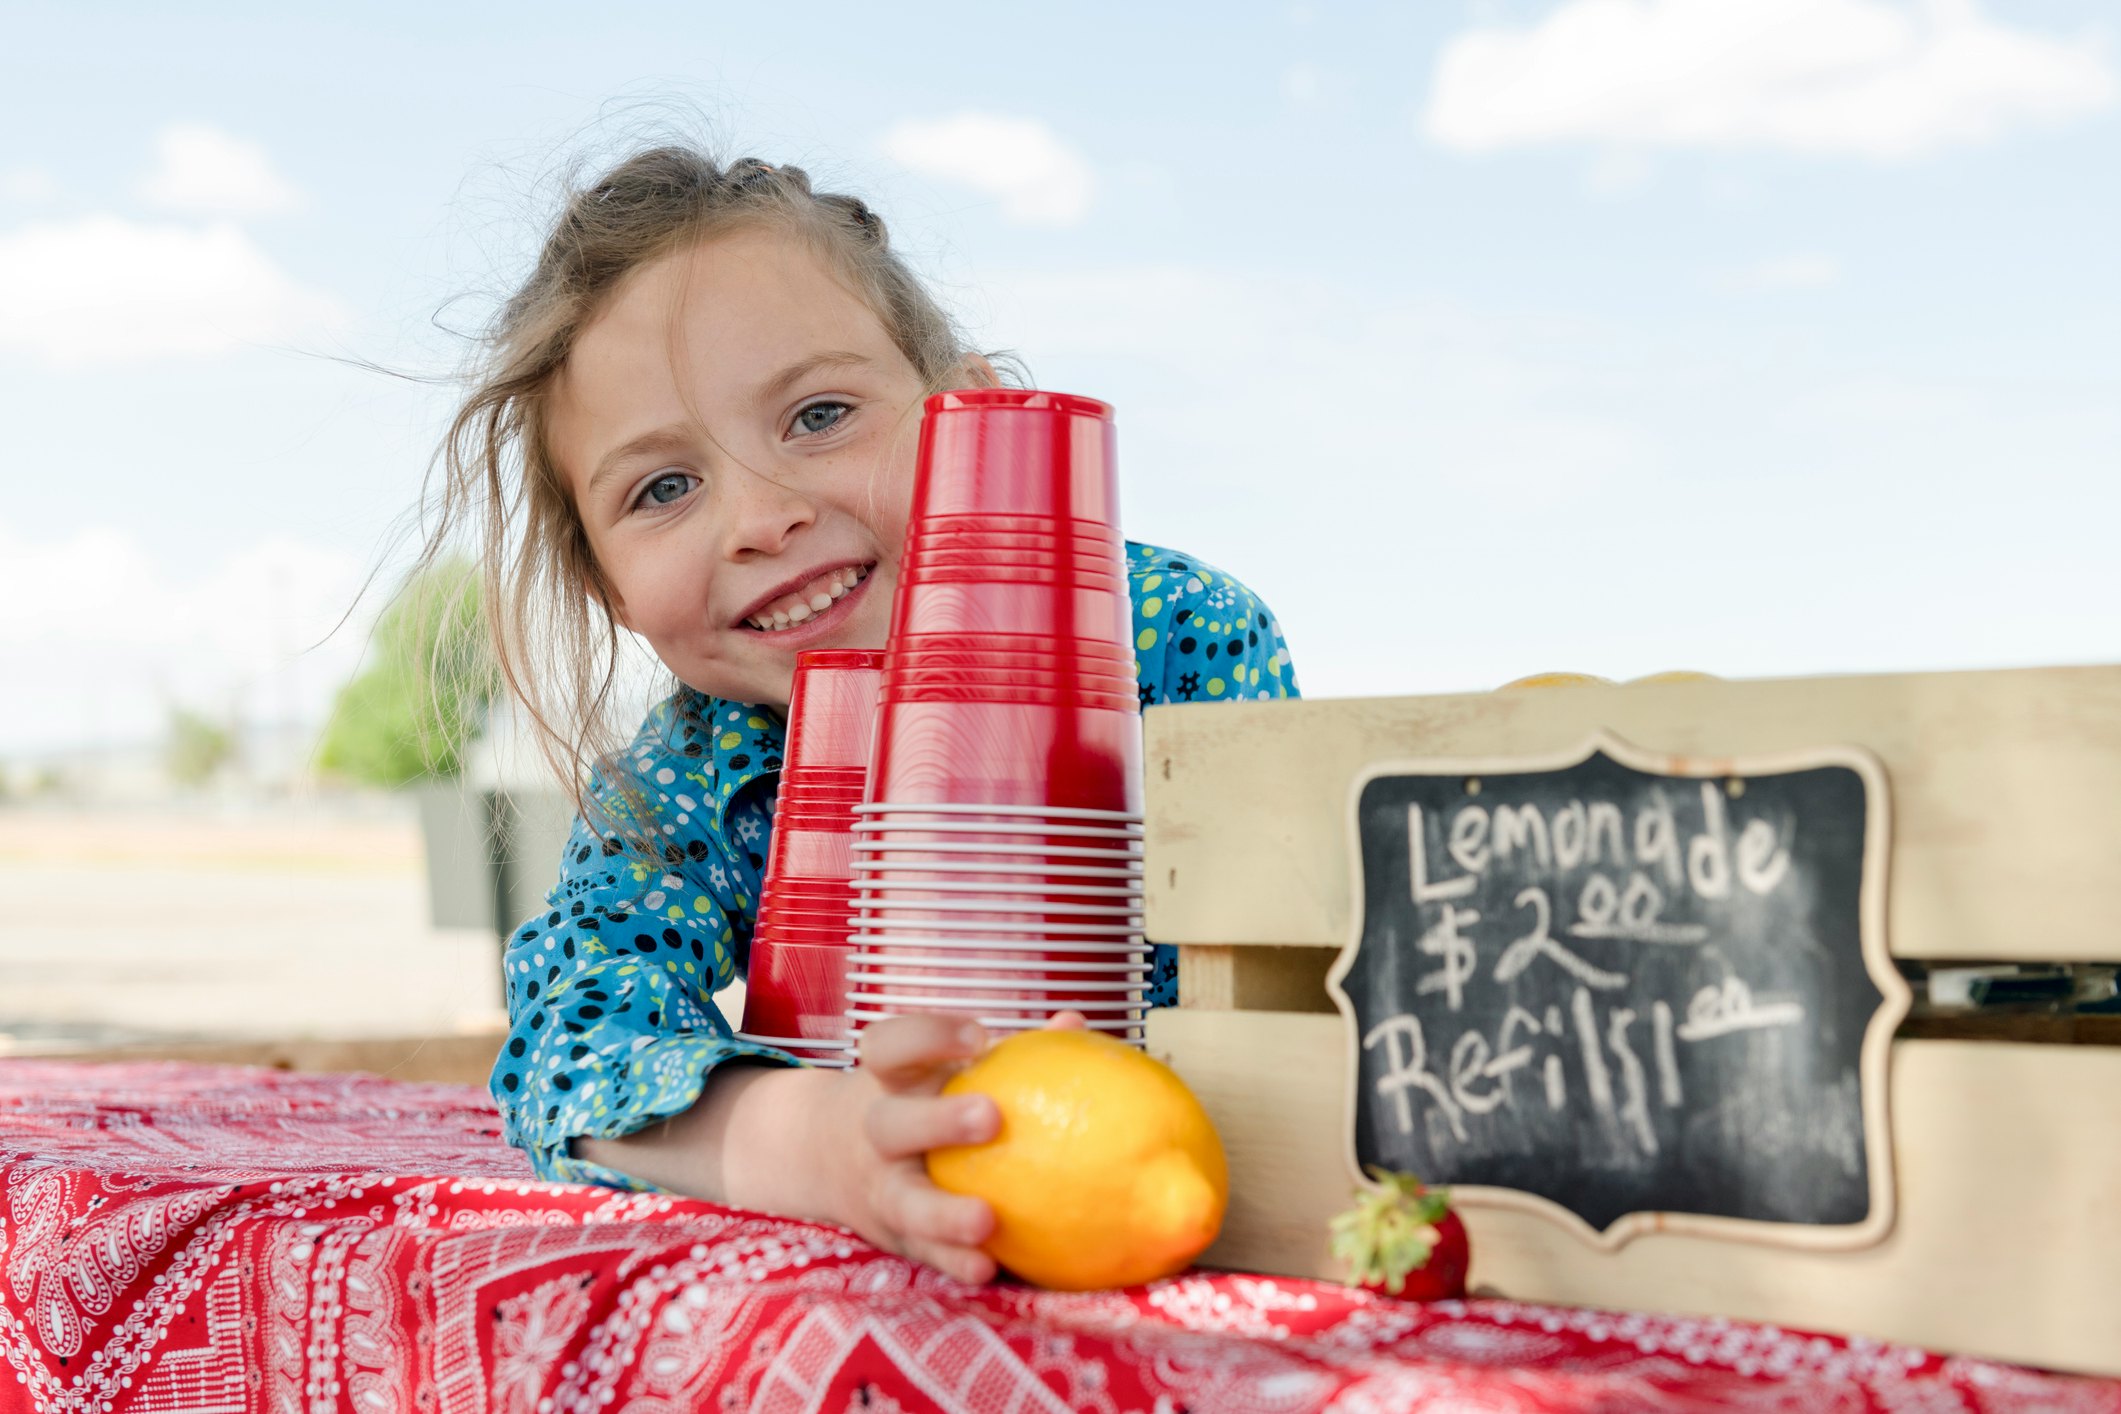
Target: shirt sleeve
x=1200 y=636
x=612 y=1019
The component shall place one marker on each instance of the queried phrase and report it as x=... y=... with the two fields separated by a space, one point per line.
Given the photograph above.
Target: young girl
x=698 y=423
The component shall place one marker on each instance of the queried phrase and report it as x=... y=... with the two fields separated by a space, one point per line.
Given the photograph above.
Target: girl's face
x=738 y=433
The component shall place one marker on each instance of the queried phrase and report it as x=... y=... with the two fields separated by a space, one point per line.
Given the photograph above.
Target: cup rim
x=878 y=826
x=862 y=927
x=1018 y=400
x=794 y=1042
x=1086 y=1005
x=1015 y=851
x=867 y=888
x=994 y=964
x=1053 y=812
x=1134 y=1030
x=865 y=908
x=1090 y=949
x=1026 y=984
x=1058 y=871
x=837 y=659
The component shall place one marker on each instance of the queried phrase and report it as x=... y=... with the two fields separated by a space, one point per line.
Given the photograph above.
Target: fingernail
x=975 y=1117
x=972 y=1034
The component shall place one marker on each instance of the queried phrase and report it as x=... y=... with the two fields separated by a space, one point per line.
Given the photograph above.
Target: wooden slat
x=1255 y=978
x=2007 y=1242
x=2006 y=795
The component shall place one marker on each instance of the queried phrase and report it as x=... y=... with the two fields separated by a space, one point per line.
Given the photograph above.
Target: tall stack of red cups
x=997 y=857
x=795 y=995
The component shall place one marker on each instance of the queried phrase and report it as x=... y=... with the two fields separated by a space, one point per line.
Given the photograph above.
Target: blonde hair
x=546 y=599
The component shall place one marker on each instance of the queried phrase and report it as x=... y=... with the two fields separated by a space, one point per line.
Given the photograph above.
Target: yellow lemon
x=1557 y=680
x=1106 y=1172
x=1678 y=675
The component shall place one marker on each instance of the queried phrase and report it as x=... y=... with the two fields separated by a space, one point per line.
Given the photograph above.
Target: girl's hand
x=889 y=1199
x=893 y=1114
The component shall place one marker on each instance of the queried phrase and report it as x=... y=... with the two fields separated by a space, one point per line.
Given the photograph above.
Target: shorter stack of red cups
x=795 y=996
x=997 y=853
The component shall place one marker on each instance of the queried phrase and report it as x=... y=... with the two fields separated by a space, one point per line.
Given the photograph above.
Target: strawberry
x=1403 y=1239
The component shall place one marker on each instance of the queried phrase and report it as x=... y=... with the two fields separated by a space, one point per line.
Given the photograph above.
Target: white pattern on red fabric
x=194 y=1238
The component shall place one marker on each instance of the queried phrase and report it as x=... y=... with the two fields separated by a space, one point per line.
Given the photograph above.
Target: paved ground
x=118 y=926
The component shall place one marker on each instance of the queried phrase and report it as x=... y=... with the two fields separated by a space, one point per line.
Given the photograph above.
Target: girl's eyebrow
x=776 y=387
x=673 y=438
x=676 y=437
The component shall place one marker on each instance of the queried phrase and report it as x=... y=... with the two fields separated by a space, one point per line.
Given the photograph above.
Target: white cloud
x=1438 y=497
x=1040 y=179
x=1256 y=373
x=102 y=290
x=1849 y=77
x=1808 y=271
x=131 y=628
x=1300 y=83
x=202 y=171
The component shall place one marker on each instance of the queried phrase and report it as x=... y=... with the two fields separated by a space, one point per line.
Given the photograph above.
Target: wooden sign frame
x=1876 y=1049
x=2004 y=836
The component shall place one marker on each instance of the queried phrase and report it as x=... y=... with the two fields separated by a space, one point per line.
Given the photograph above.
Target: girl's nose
x=761 y=513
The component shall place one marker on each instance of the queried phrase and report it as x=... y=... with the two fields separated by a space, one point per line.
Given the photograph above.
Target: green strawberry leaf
x=1390 y=1232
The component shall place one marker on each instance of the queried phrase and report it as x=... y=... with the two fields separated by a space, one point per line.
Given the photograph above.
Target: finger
x=908 y=1051
x=928 y=1220
x=907 y=1126
x=967 y=1264
x=1068 y=1021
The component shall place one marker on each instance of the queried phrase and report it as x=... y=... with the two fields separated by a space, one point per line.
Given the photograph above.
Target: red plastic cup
x=772 y=935
x=831 y=722
x=1005 y=605
x=1039 y=681
x=1051 y=965
x=827 y=797
x=796 y=984
x=1015 y=1004
x=1128 y=1029
x=1017 y=451
x=948 y=530
x=987 y=752
x=1102 y=991
x=797 y=990
x=831 y=716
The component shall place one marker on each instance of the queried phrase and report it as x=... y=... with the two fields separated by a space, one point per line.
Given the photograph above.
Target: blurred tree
x=423 y=697
x=197 y=747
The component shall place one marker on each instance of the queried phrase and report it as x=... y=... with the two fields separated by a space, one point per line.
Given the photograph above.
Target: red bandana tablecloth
x=195 y=1238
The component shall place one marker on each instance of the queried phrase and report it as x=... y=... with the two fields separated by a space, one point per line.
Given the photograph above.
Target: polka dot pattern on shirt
x=613 y=1023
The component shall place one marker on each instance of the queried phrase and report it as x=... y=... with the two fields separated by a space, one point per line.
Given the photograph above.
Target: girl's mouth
x=811 y=610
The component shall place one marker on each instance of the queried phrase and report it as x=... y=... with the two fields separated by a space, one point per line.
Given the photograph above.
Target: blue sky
x=1759 y=336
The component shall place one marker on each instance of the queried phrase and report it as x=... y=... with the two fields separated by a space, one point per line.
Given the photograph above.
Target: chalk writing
x=1582 y=980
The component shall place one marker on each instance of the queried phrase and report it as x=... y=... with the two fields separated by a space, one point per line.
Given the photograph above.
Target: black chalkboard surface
x=1627 y=991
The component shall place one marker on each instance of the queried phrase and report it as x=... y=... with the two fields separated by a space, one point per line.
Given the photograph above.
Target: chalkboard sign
x=1645 y=992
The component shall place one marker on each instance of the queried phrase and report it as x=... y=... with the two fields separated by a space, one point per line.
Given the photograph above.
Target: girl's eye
x=670 y=486
x=820 y=418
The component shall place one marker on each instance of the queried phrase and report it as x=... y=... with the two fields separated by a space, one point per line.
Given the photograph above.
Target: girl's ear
x=979 y=373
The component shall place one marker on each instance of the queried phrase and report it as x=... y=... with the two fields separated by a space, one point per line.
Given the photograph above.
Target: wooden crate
x=2005 y=846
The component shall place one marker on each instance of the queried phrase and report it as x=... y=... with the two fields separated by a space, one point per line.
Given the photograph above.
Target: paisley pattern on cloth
x=611 y=988
x=184 y=1237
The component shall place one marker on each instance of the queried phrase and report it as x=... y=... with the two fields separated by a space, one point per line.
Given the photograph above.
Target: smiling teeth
x=793 y=610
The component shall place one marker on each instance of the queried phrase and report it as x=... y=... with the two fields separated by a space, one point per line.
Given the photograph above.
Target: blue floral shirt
x=613 y=1023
